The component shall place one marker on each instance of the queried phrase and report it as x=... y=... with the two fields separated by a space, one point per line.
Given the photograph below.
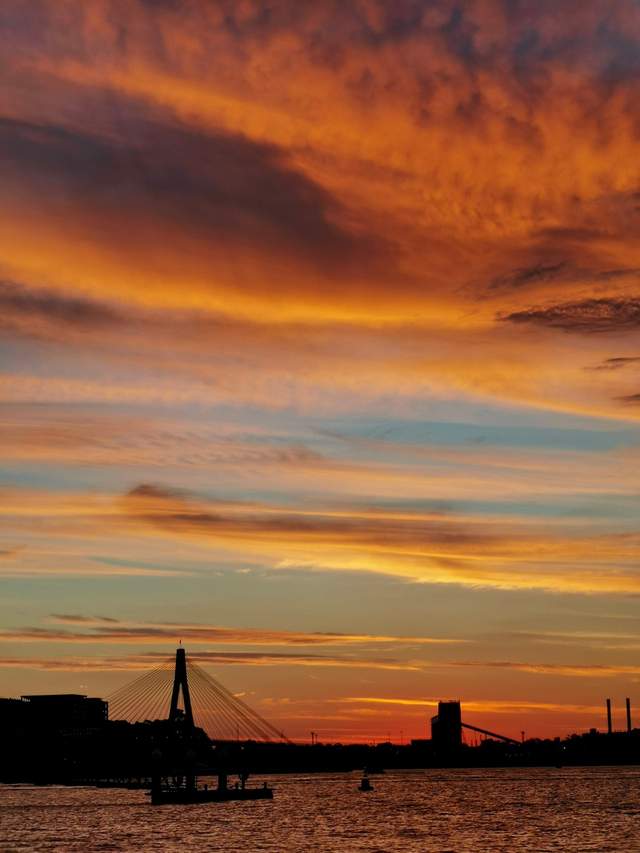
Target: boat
x=186 y=796
x=191 y=794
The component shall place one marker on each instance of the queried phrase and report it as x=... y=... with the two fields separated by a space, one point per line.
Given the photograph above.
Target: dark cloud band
x=609 y=314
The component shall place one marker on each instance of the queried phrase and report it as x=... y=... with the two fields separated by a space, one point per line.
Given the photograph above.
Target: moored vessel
x=189 y=793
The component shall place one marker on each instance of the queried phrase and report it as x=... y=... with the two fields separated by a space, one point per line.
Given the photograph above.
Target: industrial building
x=446 y=726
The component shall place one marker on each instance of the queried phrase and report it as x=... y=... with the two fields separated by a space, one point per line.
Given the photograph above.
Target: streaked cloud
x=576 y=670
x=630 y=398
x=133 y=663
x=615 y=363
x=434 y=548
x=495 y=706
x=590 y=315
x=109 y=630
x=78 y=619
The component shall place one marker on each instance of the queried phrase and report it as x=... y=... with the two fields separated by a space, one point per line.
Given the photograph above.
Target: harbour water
x=573 y=810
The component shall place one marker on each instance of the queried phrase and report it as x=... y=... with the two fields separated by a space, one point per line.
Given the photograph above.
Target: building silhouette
x=446 y=726
x=54 y=711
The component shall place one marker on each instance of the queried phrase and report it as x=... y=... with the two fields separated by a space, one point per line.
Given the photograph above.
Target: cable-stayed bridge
x=205 y=703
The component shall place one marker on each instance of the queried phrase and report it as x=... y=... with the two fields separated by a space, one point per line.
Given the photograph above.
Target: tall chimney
x=609 y=726
x=628 y=715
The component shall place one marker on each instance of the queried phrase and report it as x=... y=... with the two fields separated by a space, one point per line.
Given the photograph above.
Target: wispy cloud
x=136 y=663
x=78 y=619
x=494 y=706
x=430 y=548
x=111 y=631
x=608 y=314
x=617 y=363
x=577 y=670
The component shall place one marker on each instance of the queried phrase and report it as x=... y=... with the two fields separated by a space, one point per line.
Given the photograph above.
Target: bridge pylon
x=220 y=713
x=180 y=682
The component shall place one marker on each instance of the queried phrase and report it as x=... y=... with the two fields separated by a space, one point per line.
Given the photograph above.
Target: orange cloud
x=427 y=548
x=136 y=663
x=494 y=706
x=375 y=199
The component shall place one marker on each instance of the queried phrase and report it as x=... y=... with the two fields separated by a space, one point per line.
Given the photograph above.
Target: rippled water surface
x=569 y=810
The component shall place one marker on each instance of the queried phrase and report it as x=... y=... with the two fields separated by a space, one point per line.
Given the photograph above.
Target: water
x=573 y=810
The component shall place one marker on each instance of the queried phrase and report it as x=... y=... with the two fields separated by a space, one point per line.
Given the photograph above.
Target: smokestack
x=628 y=715
x=609 y=727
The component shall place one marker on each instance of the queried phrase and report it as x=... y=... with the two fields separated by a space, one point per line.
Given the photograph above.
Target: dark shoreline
x=127 y=753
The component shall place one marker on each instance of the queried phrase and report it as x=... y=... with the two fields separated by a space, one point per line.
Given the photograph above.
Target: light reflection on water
x=573 y=810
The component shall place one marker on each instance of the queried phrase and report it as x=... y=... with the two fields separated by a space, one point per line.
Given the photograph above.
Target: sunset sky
x=320 y=352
